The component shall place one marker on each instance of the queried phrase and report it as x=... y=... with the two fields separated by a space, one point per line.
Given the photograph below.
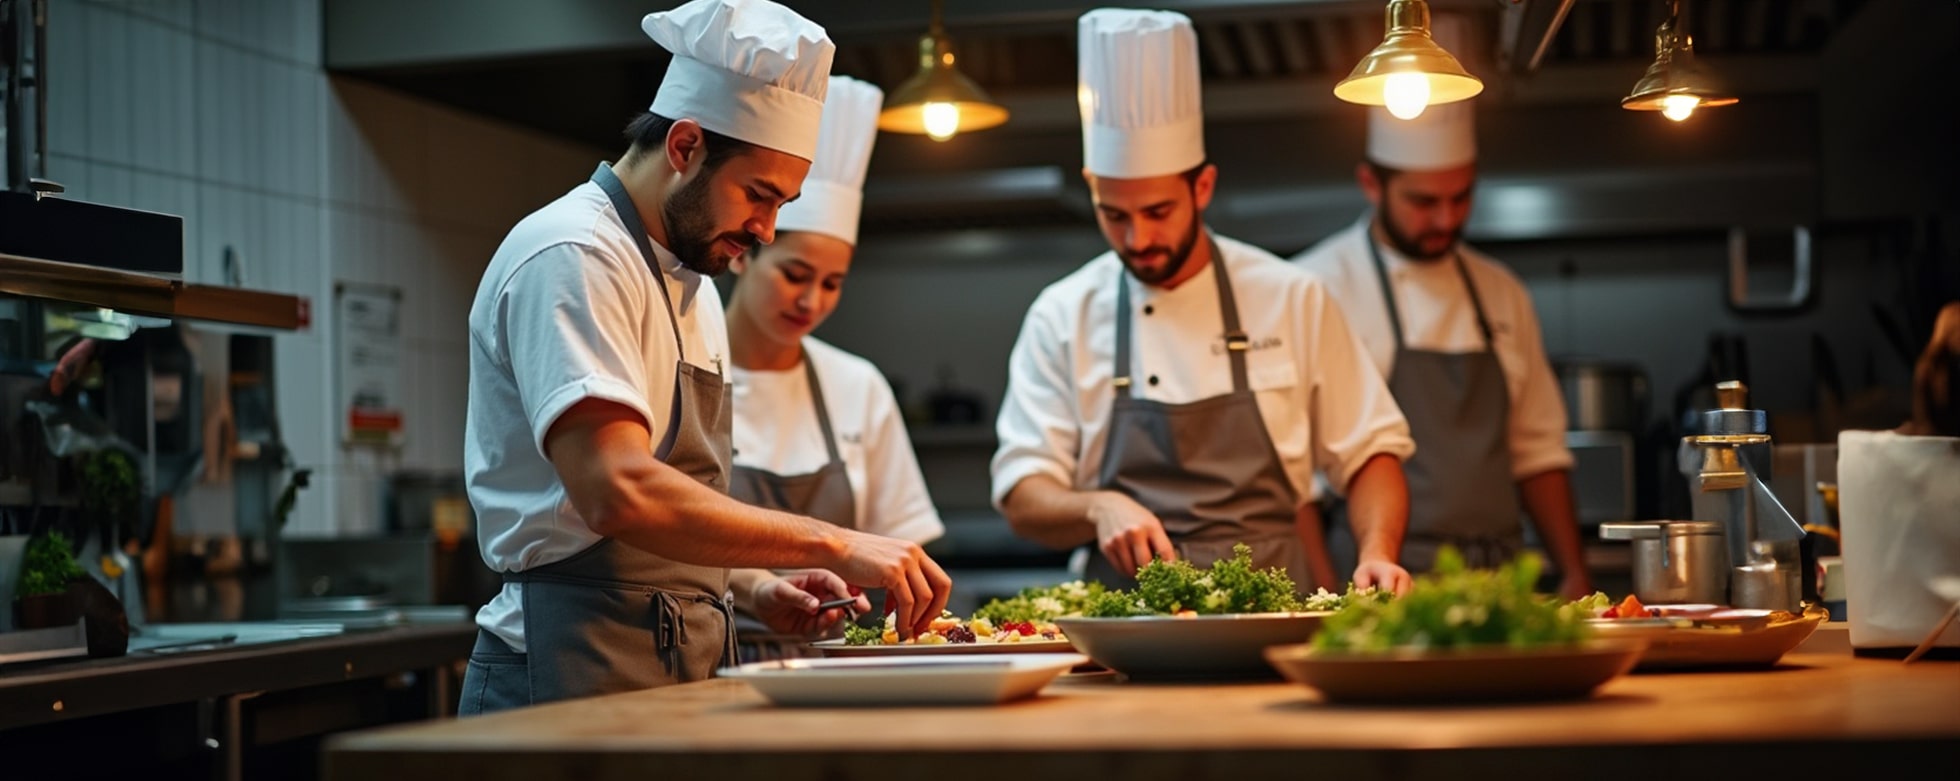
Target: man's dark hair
x=1382 y=173
x=648 y=132
x=1191 y=174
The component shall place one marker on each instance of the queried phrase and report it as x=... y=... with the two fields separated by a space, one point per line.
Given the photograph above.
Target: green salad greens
x=1042 y=603
x=863 y=635
x=1228 y=586
x=1322 y=599
x=1458 y=607
x=1593 y=604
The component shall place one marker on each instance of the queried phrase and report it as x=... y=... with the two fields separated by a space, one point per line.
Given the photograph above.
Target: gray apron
x=824 y=494
x=613 y=617
x=1206 y=468
x=1461 y=491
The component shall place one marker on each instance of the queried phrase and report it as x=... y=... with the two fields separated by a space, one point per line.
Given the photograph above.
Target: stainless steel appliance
x=1676 y=562
x=1728 y=468
x=1603 y=395
x=1602 y=475
x=1606 y=413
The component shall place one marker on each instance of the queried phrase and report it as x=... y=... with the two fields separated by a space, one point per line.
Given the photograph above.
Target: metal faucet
x=1765 y=560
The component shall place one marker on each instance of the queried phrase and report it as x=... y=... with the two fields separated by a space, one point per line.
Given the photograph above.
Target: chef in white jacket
x=597 y=427
x=817 y=430
x=1175 y=395
x=1455 y=335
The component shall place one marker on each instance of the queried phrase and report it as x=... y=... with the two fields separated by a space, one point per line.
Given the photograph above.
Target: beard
x=1412 y=245
x=692 y=230
x=1175 y=258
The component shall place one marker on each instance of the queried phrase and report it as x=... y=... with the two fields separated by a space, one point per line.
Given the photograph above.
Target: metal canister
x=1676 y=562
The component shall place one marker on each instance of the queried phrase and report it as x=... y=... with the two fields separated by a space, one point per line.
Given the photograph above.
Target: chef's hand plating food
x=948 y=628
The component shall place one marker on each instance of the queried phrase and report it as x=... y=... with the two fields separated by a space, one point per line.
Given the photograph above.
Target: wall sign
x=368 y=348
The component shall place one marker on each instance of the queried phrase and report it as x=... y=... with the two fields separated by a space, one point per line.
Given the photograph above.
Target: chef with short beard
x=1454 y=333
x=597 y=429
x=1174 y=397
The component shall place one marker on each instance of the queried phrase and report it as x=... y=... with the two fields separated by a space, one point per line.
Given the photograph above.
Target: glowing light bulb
x=942 y=120
x=1679 y=107
x=1406 y=94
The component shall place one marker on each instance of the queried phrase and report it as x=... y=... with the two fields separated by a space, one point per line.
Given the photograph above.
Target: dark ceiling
x=587 y=94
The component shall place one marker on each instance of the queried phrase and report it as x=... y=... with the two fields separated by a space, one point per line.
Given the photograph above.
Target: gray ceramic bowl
x=1221 y=646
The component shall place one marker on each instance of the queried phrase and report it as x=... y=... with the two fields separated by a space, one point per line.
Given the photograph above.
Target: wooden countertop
x=1813 y=714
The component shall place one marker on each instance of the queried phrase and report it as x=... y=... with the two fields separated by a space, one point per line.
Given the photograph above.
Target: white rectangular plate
x=913 y=680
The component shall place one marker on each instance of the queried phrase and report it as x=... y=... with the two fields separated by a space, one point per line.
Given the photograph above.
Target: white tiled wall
x=218 y=110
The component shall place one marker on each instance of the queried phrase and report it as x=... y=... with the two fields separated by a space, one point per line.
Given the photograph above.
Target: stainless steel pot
x=1676 y=562
x=1603 y=395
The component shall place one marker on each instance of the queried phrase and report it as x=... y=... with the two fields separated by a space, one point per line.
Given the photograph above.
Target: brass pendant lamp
x=1675 y=84
x=939 y=101
x=1408 y=71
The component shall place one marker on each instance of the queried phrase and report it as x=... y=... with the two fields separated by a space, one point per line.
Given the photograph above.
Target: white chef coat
x=566 y=311
x=1437 y=314
x=776 y=430
x=1323 y=405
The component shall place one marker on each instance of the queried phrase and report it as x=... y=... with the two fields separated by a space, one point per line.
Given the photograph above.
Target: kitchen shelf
x=150 y=294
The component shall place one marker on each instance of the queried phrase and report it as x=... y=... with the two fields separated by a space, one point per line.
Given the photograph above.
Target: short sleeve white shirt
x=567 y=310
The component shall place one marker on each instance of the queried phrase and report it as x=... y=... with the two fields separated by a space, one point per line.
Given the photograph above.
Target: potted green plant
x=110 y=493
x=45 y=598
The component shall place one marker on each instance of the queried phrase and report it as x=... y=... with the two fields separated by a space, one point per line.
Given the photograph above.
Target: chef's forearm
x=604 y=455
x=1042 y=509
x=1548 y=499
x=657 y=508
x=1378 y=508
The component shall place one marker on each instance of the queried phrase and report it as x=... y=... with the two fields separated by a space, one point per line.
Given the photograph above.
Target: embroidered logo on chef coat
x=1270 y=342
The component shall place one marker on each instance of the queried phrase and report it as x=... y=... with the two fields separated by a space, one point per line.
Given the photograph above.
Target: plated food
x=1043 y=603
x=1022 y=624
x=1712 y=636
x=1456 y=607
x=1602 y=606
x=1186 y=622
x=1459 y=635
x=949 y=629
x=1228 y=587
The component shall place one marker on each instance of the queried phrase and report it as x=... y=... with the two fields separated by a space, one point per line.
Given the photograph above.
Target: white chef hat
x=1441 y=137
x=1139 y=91
x=748 y=69
x=833 y=193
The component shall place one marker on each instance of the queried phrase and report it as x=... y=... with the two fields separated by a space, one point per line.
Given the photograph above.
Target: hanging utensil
x=1948 y=588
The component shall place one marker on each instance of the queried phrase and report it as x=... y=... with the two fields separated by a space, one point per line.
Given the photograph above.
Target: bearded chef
x=1174 y=396
x=597 y=429
x=1454 y=334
